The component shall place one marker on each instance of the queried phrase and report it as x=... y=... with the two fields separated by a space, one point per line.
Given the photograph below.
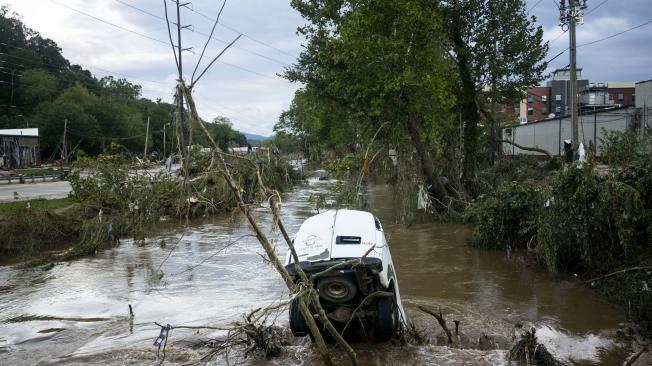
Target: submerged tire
x=387 y=320
x=298 y=324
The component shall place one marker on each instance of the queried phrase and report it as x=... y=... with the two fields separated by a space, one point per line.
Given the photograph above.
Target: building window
x=558 y=97
x=544 y=98
x=544 y=110
x=530 y=111
x=530 y=99
x=517 y=110
x=621 y=96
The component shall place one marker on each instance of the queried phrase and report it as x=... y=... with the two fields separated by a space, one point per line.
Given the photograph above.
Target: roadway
x=49 y=190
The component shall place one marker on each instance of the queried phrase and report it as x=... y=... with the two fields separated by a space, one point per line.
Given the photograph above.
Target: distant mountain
x=254 y=137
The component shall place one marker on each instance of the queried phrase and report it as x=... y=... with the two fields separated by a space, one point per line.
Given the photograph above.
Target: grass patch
x=40 y=204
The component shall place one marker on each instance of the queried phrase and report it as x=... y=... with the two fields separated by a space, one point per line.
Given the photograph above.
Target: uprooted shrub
x=594 y=224
x=506 y=217
x=528 y=351
x=112 y=199
x=25 y=230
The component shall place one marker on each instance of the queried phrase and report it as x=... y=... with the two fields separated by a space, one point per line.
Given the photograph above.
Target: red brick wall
x=538 y=103
x=627 y=94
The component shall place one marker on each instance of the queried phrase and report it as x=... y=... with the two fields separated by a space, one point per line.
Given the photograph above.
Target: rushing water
x=77 y=313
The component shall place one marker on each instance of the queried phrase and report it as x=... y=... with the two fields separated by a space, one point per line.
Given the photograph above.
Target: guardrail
x=33 y=178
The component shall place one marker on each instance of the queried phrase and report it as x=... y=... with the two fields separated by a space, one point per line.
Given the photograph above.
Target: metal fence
x=22 y=179
x=550 y=134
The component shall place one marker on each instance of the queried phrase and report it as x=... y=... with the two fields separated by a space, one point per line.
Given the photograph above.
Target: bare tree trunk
x=427 y=166
x=526 y=148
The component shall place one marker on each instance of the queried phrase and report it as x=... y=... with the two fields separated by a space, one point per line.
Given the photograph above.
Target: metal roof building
x=19 y=148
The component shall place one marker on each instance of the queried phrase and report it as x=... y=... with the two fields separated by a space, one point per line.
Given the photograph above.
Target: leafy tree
x=75 y=105
x=383 y=61
x=223 y=133
x=36 y=86
x=495 y=45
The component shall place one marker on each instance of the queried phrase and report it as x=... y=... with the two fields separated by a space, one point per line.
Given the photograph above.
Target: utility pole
x=179 y=51
x=146 y=138
x=64 y=149
x=12 y=87
x=568 y=17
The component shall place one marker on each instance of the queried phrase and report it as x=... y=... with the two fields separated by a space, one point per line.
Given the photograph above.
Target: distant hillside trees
x=40 y=88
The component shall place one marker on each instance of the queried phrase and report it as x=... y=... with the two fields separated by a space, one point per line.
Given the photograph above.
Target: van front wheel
x=298 y=324
x=387 y=320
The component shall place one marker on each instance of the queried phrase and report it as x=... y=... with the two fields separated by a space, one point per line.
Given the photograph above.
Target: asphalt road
x=59 y=189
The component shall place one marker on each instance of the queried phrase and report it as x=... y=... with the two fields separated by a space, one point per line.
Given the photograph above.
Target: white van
x=362 y=297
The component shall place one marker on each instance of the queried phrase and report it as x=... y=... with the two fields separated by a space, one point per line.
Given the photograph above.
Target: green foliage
x=318 y=200
x=222 y=132
x=506 y=217
x=36 y=85
x=579 y=220
x=344 y=167
x=29 y=226
x=592 y=222
x=371 y=63
x=622 y=148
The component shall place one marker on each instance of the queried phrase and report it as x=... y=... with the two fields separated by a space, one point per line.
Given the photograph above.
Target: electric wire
x=534 y=6
x=210 y=36
x=89 y=67
x=160 y=41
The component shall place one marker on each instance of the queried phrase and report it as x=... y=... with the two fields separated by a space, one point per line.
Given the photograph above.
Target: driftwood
x=442 y=322
x=639 y=268
x=638 y=354
x=527 y=148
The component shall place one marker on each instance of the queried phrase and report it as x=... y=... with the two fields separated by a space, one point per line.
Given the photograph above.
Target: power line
x=89 y=67
x=603 y=39
x=204 y=34
x=245 y=35
x=109 y=23
x=616 y=34
x=596 y=8
x=534 y=6
x=161 y=41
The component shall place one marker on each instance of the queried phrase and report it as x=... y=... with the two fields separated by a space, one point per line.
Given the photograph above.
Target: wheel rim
x=337 y=290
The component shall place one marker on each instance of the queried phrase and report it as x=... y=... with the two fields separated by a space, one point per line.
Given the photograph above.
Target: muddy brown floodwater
x=77 y=312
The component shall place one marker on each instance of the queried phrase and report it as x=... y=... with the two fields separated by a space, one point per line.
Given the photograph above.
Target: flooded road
x=77 y=313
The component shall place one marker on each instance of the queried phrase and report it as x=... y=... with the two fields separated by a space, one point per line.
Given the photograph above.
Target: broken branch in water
x=646 y=268
x=638 y=354
x=442 y=322
x=343 y=264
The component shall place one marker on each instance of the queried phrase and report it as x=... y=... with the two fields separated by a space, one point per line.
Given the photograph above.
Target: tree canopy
x=415 y=67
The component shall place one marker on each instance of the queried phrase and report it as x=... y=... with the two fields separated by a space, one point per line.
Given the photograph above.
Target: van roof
x=335 y=223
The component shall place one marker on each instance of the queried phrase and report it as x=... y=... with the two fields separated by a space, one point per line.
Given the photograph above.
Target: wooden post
x=146 y=138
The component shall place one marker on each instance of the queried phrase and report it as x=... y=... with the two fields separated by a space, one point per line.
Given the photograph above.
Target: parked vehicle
x=363 y=296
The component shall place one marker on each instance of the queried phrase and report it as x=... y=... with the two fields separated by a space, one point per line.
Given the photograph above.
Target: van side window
x=378 y=226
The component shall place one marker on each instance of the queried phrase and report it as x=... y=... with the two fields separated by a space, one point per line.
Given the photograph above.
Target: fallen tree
x=526 y=148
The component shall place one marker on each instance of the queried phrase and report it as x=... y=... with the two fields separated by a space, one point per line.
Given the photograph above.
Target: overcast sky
x=245 y=87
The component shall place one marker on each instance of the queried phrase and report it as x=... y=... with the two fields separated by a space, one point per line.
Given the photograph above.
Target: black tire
x=298 y=324
x=338 y=289
x=387 y=320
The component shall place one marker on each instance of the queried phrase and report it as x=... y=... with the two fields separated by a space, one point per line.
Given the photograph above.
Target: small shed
x=19 y=148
